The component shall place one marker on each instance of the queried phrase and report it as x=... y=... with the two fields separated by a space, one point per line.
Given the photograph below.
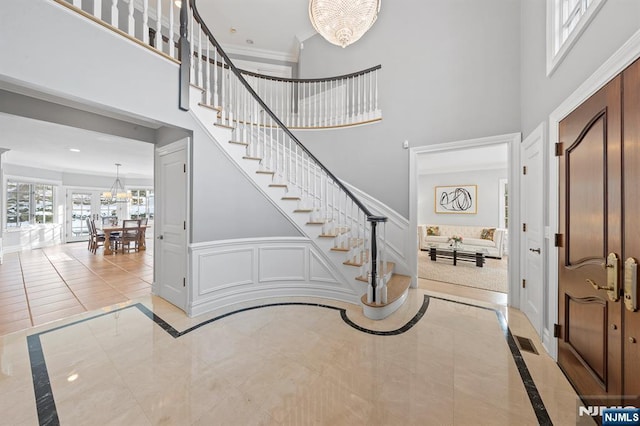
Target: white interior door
x=171 y=223
x=532 y=207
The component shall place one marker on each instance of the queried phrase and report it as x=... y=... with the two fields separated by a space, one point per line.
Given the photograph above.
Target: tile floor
x=44 y=285
x=286 y=364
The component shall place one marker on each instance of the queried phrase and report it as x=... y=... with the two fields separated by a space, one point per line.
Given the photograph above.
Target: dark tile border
x=45 y=401
x=532 y=391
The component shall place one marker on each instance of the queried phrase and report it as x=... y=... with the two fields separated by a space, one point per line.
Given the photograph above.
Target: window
x=141 y=204
x=29 y=203
x=566 y=20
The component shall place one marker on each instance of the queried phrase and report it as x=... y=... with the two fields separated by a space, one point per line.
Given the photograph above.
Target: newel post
x=374 y=220
x=185 y=57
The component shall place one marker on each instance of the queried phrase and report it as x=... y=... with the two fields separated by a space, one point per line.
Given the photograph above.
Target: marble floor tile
x=274 y=365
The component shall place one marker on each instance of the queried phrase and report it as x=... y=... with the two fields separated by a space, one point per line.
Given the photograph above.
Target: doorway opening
x=54 y=180
x=464 y=213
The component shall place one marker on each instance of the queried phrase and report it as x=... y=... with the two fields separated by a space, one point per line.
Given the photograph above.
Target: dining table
x=108 y=229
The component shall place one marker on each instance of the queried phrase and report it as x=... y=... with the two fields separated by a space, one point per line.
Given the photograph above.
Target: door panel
x=631 y=218
x=585 y=192
x=532 y=208
x=589 y=350
x=585 y=318
x=171 y=216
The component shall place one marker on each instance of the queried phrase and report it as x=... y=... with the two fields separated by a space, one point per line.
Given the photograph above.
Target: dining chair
x=130 y=234
x=96 y=238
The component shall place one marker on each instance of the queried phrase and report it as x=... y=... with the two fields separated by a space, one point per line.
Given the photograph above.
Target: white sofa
x=470 y=237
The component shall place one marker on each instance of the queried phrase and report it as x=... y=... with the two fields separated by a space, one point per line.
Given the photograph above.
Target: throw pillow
x=433 y=231
x=487 y=233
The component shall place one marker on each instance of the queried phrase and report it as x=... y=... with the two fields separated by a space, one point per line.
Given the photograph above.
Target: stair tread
x=223 y=126
x=278 y=185
x=246 y=157
x=265 y=172
x=353 y=243
x=295 y=198
x=303 y=210
x=215 y=108
x=396 y=287
x=239 y=143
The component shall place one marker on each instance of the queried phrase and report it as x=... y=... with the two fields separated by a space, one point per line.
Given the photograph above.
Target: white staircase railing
x=320 y=103
x=241 y=105
x=268 y=140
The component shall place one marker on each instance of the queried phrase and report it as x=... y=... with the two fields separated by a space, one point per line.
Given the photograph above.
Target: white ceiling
x=46 y=145
x=483 y=158
x=276 y=28
x=273 y=25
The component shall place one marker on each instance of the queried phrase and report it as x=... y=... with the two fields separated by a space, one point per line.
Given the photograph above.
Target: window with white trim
x=566 y=20
x=29 y=203
x=141 y=205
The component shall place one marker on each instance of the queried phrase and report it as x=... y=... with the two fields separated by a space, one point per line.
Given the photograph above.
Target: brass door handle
x=631 y=284
x=598 y=287
x=613 y=285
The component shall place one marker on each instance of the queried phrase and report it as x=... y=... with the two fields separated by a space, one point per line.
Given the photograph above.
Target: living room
x=463 y=213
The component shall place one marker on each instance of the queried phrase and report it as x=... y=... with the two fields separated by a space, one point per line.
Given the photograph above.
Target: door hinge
x=524 y=170
x=184 y=282
x=184 y=167
x=524 y=283
x=556 y=330
x=184 y=225
x=524 y=227
x=559 y=149
x=557 y=240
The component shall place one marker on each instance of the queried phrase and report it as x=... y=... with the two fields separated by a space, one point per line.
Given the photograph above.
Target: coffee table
x=460 y=253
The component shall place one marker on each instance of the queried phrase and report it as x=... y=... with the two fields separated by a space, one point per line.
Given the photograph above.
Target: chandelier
x=117 y=193
x=342 y=22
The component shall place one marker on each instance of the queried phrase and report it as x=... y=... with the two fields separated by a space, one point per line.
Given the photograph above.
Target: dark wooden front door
x=631 y=221
x=599 y=211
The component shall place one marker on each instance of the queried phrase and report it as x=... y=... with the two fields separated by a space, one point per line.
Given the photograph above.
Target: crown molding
x=260 y=53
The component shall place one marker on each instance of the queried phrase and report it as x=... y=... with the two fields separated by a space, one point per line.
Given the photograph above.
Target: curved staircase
x=236 y=109
x=331 y=229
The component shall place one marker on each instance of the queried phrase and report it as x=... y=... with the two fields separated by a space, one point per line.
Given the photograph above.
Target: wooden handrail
x=268 y=110
x=311 y=80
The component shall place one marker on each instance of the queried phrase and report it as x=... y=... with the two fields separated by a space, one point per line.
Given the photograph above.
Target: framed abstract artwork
x=461 y=199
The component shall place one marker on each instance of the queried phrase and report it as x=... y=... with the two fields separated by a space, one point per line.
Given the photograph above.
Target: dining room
x=77 y=222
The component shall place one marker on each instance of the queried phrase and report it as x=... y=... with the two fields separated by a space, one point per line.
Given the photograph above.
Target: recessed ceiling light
x=249 y=41
x=232 y=30
x=72 y=378
x=74 y=150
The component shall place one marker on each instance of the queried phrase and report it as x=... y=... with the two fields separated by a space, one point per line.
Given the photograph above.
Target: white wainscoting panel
x=283 y=264
x=229 y=269
x=319 y=269
x=228 y=272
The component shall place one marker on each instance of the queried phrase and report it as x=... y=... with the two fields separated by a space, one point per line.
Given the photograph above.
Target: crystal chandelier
x=117 y=193
x=343 y=22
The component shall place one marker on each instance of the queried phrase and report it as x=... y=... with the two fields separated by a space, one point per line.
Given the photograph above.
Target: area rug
x=492 y=276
